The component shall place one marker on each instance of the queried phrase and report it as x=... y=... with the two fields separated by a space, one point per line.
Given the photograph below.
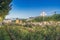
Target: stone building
x=18 y=21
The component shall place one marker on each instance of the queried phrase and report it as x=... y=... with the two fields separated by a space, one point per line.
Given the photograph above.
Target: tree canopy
x=54 y=17
x=5 y=7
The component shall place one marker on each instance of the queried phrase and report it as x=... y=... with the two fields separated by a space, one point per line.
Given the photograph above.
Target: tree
x=5 y=7
x=56 y=17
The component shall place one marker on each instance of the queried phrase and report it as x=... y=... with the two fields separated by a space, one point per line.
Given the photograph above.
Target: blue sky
x=28 y=8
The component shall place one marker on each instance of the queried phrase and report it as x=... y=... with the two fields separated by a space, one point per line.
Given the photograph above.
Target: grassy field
x=26 y=33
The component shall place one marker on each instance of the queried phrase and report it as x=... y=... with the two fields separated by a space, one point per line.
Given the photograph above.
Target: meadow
x=15 y=32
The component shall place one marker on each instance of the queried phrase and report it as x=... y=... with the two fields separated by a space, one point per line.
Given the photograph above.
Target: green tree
x=5 y=7
x=56 y=17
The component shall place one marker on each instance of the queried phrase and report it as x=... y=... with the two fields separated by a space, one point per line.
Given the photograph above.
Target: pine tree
x=5 y=7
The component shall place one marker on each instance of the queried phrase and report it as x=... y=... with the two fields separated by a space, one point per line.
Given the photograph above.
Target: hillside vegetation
x=26 y=33
x=54 y=17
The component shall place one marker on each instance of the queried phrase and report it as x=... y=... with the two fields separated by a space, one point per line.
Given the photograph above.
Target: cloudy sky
x=28 y=8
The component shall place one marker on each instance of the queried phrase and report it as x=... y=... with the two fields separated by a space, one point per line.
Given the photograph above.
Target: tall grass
x=36 y=33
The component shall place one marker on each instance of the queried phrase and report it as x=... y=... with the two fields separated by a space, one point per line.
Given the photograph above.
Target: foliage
x=33 y=33
x=54 y=17
x=5 y=7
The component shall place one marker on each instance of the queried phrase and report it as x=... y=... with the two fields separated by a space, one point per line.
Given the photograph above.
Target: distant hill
x=54 y=17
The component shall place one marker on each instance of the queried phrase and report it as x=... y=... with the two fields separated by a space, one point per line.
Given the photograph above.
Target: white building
x=7 y=21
